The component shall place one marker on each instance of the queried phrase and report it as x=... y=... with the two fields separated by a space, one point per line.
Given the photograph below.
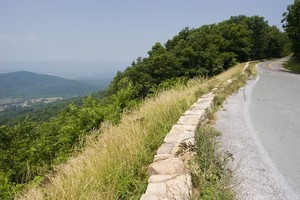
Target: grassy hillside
x=114 y=163
x=28 y=85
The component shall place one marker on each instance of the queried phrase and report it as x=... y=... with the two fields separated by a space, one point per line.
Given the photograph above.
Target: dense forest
x=30 y=148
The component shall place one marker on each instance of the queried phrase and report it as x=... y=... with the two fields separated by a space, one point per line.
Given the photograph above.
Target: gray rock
x=170 y=166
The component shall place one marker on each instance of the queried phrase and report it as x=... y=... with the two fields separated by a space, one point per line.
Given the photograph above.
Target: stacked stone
x=169 y=176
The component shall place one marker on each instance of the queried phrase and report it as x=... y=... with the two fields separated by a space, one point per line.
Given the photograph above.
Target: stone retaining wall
x=169 y=177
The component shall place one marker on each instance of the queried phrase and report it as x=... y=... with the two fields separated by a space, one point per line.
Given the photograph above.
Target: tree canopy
x=203 y=51
x=291 y=25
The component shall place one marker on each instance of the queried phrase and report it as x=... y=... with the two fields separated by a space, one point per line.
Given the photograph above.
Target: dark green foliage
x=278 y=44
x=29 y=149
x=28 y=85
x=204 y=51
x=292 y=25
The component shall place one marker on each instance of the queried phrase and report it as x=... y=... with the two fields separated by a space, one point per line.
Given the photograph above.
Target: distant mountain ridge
x=23 y=84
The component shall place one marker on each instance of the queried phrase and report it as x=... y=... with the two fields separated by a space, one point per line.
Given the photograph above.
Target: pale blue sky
x=110 y=30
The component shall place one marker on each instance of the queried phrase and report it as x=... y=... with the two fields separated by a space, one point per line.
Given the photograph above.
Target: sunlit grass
x=114 y=163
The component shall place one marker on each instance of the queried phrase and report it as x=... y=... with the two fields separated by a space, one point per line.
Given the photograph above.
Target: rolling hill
x=28 y=85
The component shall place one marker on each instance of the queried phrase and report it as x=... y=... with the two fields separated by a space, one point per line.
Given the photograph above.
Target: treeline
x=292 y=26
x=204 y=51
x=30 y=148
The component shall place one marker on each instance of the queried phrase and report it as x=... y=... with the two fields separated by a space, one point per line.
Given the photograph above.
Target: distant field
x=4 y=101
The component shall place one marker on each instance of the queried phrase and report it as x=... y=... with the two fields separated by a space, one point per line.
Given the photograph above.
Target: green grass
x=209 y=174
x=114 y=162
x=293 y=65
x=114 y=165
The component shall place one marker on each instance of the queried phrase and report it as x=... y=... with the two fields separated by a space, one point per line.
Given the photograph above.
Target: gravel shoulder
x=255 y=176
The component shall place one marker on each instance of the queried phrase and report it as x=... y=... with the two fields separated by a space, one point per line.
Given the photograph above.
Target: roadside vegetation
x=134 y=114
x=210 y=176
x=293 y=65
x=116 y=165
x=292 y=28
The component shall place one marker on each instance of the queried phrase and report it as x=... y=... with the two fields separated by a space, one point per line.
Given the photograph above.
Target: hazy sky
x=110 y=30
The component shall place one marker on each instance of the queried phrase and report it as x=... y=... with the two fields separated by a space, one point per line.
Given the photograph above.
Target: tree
x=237 y=38
x=259 y=27
x=276 y=43
x=291 y=25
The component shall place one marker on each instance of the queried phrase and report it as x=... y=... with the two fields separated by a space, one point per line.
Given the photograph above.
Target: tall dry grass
x=114 y=163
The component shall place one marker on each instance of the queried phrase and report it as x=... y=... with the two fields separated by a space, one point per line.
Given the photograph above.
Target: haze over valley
x=98 y=72
x=22 y=89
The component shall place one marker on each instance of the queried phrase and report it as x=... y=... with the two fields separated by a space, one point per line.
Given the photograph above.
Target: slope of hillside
x=114 y=165
x=26 y=85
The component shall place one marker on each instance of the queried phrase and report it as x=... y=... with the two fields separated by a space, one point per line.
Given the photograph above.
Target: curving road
x=275 y=114
x=260 y=128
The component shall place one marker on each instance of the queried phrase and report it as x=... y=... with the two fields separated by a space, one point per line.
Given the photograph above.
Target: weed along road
x=260 y=128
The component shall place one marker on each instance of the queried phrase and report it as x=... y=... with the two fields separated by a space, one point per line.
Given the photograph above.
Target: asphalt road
x=275 y=114
x=260 y=128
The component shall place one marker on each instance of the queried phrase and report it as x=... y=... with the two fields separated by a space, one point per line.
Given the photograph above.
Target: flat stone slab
x=159 y=157
x=160 y=178
x=203 y=101
x=189 y=120
x=178 y=137
x=208 y=95
x=180 y=187
x=202 y=105
x=183 y=128
x=170 y=166
x=158 y=189
x=195 y=112
x=152 y=197
x=166 y=148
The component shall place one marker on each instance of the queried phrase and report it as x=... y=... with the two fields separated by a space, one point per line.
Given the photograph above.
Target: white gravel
x=254 y=174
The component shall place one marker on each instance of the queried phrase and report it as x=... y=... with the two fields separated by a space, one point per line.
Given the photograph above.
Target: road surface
x=260 y=127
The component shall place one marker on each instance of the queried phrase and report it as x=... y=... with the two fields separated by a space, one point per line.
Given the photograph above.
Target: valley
x=12 y=103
